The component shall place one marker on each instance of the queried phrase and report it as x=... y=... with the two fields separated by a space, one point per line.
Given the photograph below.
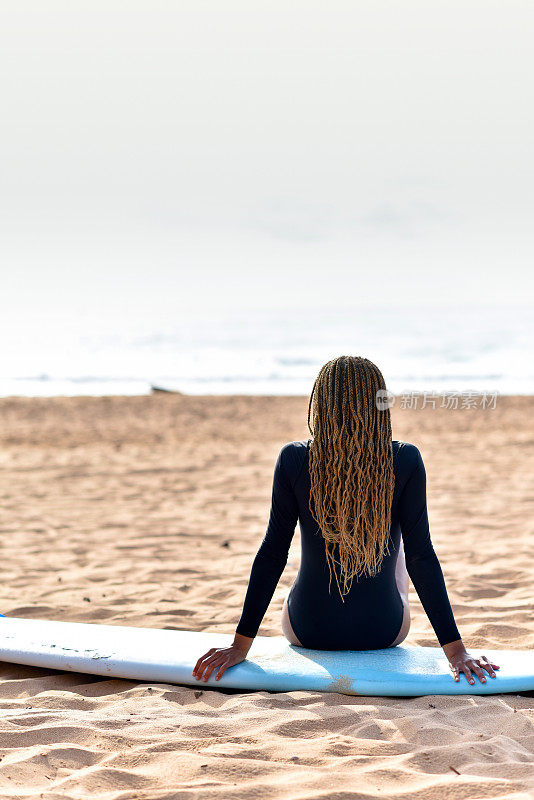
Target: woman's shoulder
x=297 y=446
x=406 y=455
x=293 y=454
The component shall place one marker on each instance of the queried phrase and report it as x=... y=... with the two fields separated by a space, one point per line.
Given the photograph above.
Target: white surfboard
x=168 y=656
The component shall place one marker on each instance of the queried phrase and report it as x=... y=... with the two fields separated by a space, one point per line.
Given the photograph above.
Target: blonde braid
x=351 y=467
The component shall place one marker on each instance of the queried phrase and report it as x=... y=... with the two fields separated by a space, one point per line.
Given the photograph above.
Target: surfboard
x=168 y=656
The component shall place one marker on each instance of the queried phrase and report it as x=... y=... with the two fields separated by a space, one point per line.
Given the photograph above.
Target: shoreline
x=161 y=391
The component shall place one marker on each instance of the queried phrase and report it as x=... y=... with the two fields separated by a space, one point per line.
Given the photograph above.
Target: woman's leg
x=286 y=626
x=402 y=578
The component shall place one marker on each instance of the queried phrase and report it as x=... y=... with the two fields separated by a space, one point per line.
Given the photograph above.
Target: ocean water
x=264 y=351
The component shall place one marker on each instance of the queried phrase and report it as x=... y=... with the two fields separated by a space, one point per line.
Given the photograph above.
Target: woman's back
x=370 y=615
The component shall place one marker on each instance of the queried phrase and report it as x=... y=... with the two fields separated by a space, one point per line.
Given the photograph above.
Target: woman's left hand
x=218 y=658
x=464 y=662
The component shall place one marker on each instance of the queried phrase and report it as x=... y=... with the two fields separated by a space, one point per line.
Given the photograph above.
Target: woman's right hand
x=462 y=661
x=218 y=659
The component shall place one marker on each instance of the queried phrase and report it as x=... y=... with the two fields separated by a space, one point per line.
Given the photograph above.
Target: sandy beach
x=148 y=511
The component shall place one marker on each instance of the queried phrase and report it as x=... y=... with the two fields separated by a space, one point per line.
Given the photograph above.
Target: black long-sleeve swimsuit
x=372 y=612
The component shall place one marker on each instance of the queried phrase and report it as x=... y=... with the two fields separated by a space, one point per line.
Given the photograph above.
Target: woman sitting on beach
x=360 y=499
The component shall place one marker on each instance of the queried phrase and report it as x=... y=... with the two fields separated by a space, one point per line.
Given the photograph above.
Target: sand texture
x=148 y=511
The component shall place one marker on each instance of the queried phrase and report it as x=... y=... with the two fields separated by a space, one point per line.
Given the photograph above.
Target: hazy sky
x=192 y=154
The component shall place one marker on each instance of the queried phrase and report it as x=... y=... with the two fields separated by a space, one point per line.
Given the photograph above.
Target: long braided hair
x=351 y=467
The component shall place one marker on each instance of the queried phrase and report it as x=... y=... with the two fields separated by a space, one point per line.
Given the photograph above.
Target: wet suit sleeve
x=271 y=557
x=421 y=561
